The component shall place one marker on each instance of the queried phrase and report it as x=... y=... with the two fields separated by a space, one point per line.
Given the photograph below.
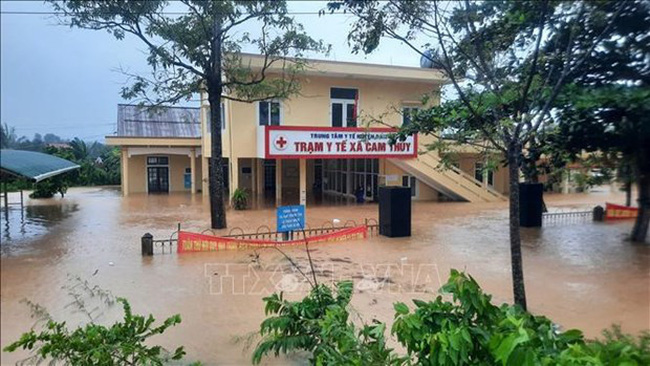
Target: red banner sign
x=616 y=212
x=298 y=142
x=193 y=242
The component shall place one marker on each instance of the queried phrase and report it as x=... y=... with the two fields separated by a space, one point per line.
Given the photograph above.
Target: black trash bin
x=395 y=211
x=530 y=204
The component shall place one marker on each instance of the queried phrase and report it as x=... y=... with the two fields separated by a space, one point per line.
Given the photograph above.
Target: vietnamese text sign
x=296 y=142
x=613 y=211
x=291 y=218
x=195 y=242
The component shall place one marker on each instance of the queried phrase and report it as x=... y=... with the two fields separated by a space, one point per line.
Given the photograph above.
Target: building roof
x=33 y=165
x=172 y=122
x=356 y=70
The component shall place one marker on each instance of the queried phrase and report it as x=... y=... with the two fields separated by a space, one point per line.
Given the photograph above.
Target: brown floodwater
x=580 y=274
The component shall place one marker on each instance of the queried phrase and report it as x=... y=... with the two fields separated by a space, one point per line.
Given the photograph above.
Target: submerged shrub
x=124 y=342
x=466 y=329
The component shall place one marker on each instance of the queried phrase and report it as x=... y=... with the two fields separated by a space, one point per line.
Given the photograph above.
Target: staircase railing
x=464 y=175
x=457 y=177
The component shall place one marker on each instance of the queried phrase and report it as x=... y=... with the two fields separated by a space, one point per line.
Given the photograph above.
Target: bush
x=240 y=199
x=125 y=342
x=319 y=324
x=49 y=187
x=469 y=329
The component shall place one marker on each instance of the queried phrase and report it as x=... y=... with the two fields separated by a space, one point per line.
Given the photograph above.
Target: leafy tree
x=7 y=137
x=200 y=49
x=79 y=149
x=51 y=138
x=614 y=119
x=606 y=109
x=506 y=65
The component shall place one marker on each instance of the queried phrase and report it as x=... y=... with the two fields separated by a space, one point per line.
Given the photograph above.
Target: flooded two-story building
x=329 y=141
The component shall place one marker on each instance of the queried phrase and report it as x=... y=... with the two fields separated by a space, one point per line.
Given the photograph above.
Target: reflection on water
x=21 y=223
x=581 y=275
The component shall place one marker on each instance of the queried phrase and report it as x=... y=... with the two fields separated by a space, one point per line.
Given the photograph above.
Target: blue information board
x=291 y=218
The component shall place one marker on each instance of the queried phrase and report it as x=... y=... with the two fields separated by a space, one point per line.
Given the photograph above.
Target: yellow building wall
x=466 y=163
x=377 y=98
x=137 y=176
x=424 y=192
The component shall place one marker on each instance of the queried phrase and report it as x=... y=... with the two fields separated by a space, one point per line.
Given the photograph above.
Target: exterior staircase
x=452 y=182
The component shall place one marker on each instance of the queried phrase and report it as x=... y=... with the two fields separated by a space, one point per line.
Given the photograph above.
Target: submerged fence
x=263 y=232
x=567 y=216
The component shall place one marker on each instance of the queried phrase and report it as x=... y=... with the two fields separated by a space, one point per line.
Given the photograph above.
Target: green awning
x=33 y=165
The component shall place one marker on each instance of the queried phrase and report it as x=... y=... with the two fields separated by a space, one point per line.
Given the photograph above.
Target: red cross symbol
x=280 y=142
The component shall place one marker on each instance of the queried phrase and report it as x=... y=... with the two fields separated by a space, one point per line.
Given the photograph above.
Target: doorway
x=269 y=177
x=158 y=174
x=158 y=179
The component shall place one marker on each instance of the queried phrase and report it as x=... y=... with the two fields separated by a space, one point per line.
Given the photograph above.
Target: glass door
x=158 y=179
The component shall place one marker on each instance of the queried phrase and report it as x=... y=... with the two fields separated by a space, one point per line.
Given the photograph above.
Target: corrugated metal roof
x=33 y=165
x=137 y=121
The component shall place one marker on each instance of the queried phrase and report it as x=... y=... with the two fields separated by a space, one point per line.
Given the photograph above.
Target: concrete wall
x=424 y=191
x=377 y=98
x=466 y=162
x=137 y=175
x=137 y=166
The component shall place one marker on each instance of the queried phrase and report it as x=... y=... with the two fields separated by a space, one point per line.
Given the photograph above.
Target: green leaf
x=401 y=308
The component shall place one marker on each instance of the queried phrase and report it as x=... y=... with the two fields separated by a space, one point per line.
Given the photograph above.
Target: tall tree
x=199 y=48
x=79 y=149
x=492 y=52
x=8 y=138
x=613 y=119
x=606 y=110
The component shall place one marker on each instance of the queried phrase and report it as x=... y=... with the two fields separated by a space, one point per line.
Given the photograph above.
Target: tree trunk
x=640 y=230
x=628 y=192
x=216 y=180
x=514 y=151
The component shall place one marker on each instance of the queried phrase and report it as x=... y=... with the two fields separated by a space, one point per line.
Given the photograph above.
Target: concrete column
x=193 y=170
x=565 y=182
x=260 y=175
x=254 y=176
x=125 y=171
x=234 y=177
x=205 y=171
x=278 y=182
x=303 y=181
x=485 y=178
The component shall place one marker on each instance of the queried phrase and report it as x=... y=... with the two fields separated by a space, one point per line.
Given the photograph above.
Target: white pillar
x=303 y=181
x=278 y=182
x=234 y=177
x=254 y=177
x=125 y=171
x=193 y=171
x=565 y=182
x=205 y=171
x=260 y=175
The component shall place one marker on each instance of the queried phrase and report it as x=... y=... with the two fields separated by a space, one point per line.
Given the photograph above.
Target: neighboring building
x=310 y=146
x=59 y=145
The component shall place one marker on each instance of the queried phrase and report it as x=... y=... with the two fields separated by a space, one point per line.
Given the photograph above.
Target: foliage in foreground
x=122 y=343
x=469 y=329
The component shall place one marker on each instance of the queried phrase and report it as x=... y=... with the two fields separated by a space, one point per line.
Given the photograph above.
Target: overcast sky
x=64 y=81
